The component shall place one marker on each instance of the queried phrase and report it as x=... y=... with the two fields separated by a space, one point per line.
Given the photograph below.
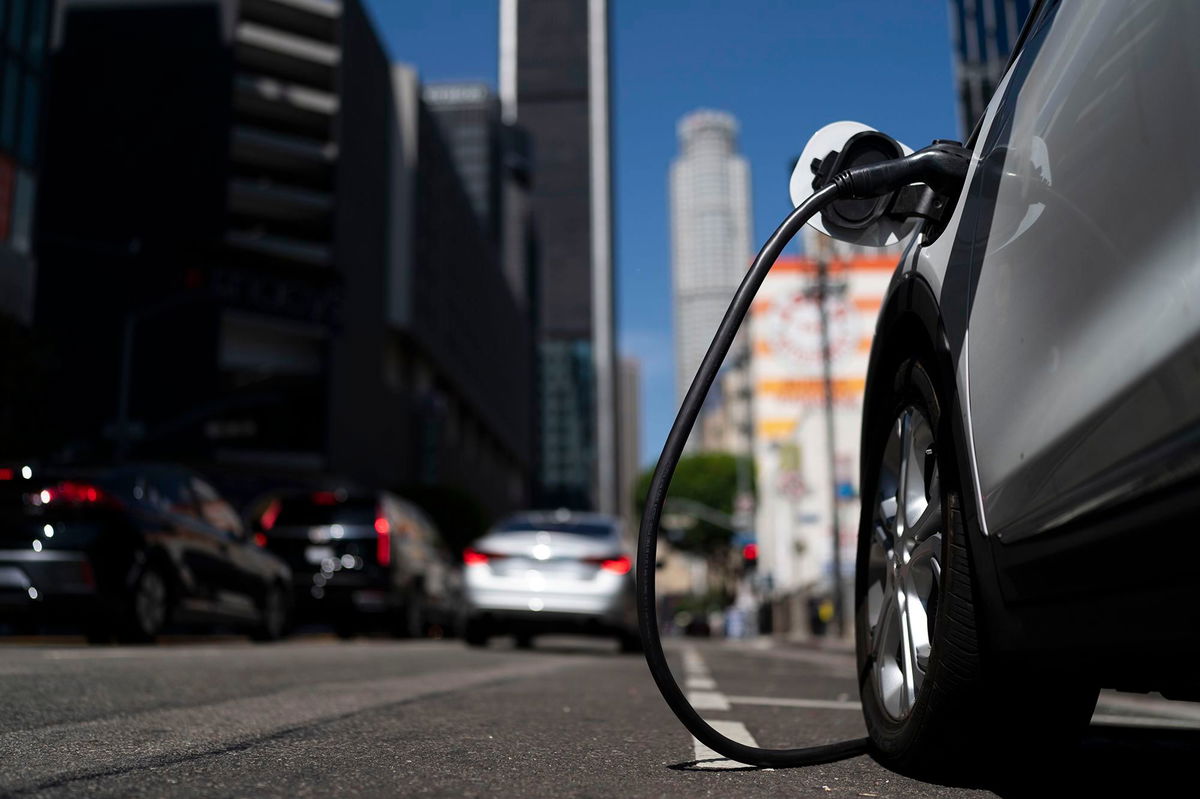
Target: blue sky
x=783 y=67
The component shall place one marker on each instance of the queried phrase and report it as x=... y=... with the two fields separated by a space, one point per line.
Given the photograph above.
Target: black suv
x=362 y=559
x=126 y=550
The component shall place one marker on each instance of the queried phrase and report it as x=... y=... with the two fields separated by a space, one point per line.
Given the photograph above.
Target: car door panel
x=1085 y=320
x=238 y=586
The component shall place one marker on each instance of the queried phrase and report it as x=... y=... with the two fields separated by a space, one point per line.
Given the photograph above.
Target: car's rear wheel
x=475 y=633
x=273 y=620
x=345 y=627
x=149 y=608
x=928 y=701
x=630 y=641
x=410 y=618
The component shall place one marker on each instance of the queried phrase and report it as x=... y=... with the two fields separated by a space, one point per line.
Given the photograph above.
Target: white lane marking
x=815 y=704
x=708 y=700
x=1112 y=720
x=89 y=654
x=697 y=678
x=172 y=650
x=735 y=730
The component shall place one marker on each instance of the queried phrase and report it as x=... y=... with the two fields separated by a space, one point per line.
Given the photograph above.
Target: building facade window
x=22 y=51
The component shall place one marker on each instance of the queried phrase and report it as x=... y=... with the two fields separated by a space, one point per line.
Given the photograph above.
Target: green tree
x=710 y=478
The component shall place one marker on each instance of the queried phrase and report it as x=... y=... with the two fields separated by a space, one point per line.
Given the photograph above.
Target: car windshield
x=306 y=512
x=588 y=529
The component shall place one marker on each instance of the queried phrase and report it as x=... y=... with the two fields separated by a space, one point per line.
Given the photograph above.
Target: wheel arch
x=159 y=559
x=911 y=324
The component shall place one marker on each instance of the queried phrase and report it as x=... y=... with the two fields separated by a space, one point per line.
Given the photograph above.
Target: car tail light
x=6 y=474
x=472 y=557
x=260 y=540
x=618 y=565
x=69 y=492
x=270 y=516
x=383 y=539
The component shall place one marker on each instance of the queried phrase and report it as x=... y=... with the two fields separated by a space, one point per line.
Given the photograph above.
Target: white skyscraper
x=710 y=249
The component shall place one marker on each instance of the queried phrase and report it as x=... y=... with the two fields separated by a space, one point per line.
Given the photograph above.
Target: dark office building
x=495 y=163
x=217 y=259
x=24 y=31
x=469 y=117
x=464 y=343
x=554 y=83
x=983 y=33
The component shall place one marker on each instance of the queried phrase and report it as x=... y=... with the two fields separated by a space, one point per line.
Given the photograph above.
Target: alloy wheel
x=150 y=603
x=904 y=564
x=274 y=614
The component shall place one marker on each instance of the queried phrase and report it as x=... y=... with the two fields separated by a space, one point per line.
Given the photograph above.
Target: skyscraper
x=493 y=159
x=24 y=28
x=710 y=245
x=983 y=33
x=554 y=83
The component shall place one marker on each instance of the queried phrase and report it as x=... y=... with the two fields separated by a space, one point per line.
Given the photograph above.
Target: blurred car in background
x=556 y=571
x=362 y=560
x=126 y=550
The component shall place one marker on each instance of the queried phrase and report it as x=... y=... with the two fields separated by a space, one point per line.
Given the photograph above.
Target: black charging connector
x=940 y=168
x=926 y=183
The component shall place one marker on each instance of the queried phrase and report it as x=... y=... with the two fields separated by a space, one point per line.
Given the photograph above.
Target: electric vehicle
x=557 y=571
x=1030 y=456
x=1030 y=469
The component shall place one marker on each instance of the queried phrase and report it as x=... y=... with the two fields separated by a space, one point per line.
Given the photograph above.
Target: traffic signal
x=749 y=556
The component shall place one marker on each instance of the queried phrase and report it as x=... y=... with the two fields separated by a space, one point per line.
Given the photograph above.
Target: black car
x=124 y=551
x=362 y=559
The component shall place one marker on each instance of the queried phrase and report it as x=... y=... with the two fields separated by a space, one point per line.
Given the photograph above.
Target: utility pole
x=827 y=369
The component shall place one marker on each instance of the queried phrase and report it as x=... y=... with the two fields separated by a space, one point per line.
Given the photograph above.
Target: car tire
x=98 y=631
x=630 y=642
x=523 y=641
x=930 y=705
x=149 y=610
x=345 y=628
x=273 y=621
x=410 y=619
x=475 y=633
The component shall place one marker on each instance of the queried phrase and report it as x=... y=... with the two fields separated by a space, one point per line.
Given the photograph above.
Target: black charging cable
x=942 y=167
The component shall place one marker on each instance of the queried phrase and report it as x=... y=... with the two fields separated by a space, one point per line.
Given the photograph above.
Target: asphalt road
x=319 y=717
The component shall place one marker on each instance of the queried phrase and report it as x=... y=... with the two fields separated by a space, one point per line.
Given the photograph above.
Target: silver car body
x=1062 y=300
x=538 y=574
x=1077 y=352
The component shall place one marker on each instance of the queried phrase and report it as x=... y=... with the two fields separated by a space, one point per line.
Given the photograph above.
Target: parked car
x=126 y=550
x=362 y=560
x=543 y=572
x=1029 y=456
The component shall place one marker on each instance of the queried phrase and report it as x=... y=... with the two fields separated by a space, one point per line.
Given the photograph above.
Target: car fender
x=911 y=324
